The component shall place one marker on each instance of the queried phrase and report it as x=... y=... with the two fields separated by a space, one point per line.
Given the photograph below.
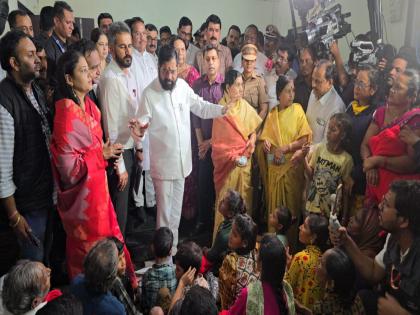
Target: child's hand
x=187 y=278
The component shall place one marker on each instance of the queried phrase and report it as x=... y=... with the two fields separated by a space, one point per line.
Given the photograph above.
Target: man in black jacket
x=26 y=184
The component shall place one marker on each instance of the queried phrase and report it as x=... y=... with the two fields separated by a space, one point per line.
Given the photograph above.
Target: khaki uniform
x=255 y=92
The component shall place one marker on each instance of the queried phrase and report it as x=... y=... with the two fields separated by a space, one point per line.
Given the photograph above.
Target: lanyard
x=62 y=49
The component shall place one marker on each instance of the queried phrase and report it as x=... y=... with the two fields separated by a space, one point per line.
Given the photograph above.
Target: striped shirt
x=7 y=147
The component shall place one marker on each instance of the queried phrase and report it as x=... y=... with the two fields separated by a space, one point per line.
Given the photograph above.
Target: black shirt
x=302 y=92
x=54 y=48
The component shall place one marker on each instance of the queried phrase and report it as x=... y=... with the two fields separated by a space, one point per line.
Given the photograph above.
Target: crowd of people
x=303 y=172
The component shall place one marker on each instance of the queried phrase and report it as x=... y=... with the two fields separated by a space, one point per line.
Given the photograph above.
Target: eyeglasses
x=361 y=84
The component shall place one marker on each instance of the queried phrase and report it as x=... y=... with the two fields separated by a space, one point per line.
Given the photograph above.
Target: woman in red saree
x=386 y=157
x=233 y=142
x=78 y=163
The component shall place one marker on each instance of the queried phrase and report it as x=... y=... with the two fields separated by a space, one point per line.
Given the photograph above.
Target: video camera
x=369 y=52
x=320 y=30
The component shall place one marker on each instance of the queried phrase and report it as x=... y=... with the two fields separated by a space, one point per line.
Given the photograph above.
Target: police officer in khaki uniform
x=254 y=85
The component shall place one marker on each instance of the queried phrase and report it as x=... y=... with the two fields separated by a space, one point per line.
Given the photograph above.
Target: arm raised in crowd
x=339 y=63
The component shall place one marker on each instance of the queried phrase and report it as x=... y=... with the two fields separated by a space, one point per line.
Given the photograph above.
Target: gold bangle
x=16 y=223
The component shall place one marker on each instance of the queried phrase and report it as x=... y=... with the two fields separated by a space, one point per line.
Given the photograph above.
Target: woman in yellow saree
x=233 y=142
x=280 y=153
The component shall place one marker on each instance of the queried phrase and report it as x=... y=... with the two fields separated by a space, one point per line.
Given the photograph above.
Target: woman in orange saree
x=78 y=163
x=233 y=142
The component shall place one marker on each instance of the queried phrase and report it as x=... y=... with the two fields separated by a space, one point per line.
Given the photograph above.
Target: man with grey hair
x=100 y=271
x=24 y=288
x=119 y=97
x=324 y=100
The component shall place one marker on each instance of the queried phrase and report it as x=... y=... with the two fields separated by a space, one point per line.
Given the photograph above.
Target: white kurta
x=168 y=114
x=145 y=69
x=170 y=133
x=119 y=98
x=320 y=111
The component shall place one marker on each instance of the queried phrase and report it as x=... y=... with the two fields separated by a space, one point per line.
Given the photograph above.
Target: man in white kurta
x=145 y=69
x=166 y=104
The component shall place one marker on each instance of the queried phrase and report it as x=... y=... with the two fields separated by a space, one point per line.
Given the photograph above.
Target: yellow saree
x=283 y=183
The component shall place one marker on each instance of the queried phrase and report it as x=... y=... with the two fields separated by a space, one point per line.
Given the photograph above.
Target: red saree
x=387 y=143
x=84 y=203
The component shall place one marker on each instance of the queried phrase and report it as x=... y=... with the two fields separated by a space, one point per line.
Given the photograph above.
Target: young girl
x=329 y=164
x=336 y=271
x=270 y=295
x=301 y=275
x=231 y=205
x=239 y=268
x=281 y=220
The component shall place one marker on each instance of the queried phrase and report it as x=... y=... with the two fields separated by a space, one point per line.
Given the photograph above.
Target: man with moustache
x=152 y=41
x=57 y=43
x=303 y=82
x=26 y=184
x=145 y=69
x=20 y=20
x=42 y=80
x=209 y=87
x=232 y=40
x=251 y=37
x=104 y=21
x=185 y=32
x=212 y=34
x=324 y=100
x=165 y=112
x=119 y=98
x=397 y=266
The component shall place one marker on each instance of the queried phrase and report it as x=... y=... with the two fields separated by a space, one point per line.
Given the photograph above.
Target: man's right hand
x=122 y=181
x=22 y=229
x=137 y=129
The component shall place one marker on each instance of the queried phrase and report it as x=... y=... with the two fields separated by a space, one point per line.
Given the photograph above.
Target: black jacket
x=32 y=173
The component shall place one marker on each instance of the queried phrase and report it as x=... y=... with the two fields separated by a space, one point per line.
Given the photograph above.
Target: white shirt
x=270 y=83
x=168 y=114
x=192 y=51
x=145 y=68
x=3 y=74
x=259 y=67
x=319 y=112
x=119 y=98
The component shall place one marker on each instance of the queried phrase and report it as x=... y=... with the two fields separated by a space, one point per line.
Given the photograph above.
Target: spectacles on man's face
x=185 y=34
x=361 y=84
